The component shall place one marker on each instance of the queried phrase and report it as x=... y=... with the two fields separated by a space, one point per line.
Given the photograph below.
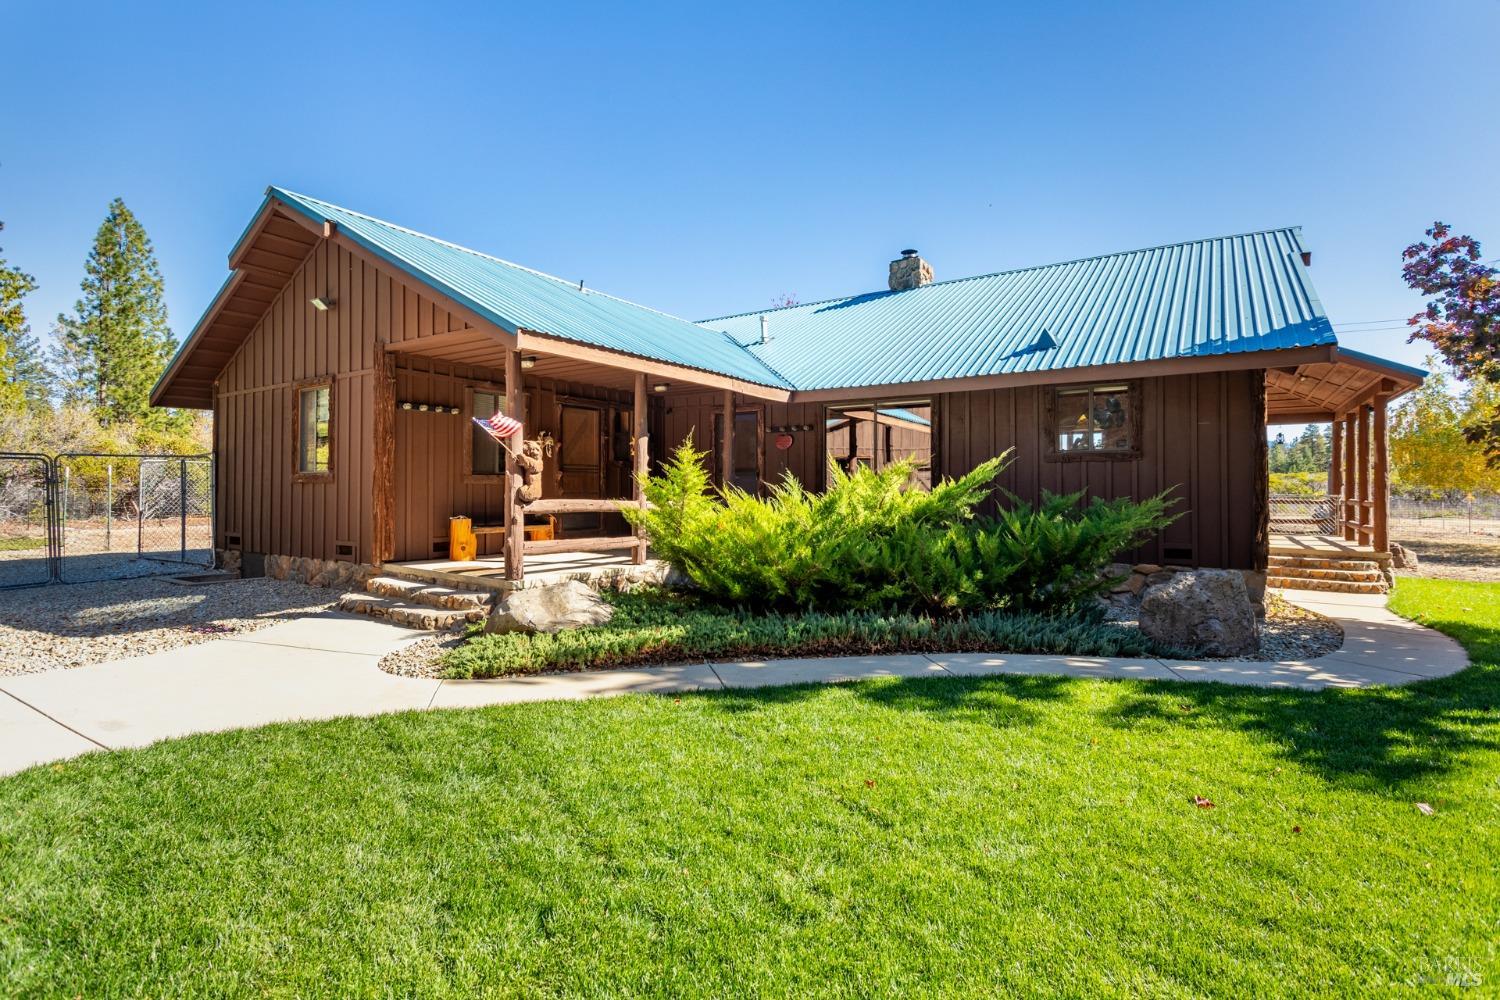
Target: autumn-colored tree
x=1462 y=317
x=1431 y=447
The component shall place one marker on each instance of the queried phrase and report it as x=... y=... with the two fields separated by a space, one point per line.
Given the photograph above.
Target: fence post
x=182 y=504
x=140 y=508
x=62 y=540
x=109 y=506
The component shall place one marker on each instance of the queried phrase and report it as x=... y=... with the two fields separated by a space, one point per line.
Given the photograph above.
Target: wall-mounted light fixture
x=322 y=304
x=548 y=443
x=528 y=361
x=659 y=387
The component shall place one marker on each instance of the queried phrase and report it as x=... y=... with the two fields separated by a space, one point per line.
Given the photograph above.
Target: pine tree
x=117 y=343
x=23 y=376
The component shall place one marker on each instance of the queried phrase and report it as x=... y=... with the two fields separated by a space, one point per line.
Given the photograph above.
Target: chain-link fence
x=1297 y=513
x=28 y=534
x=1462 y=515
x=82 y=517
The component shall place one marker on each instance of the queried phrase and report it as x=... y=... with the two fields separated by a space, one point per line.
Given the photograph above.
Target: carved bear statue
x=530 y=462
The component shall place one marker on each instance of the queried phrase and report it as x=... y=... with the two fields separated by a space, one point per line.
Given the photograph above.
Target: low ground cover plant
x=871 y=543
x=657 y=626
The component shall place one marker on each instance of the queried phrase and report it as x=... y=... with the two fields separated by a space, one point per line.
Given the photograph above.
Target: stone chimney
x=910 y=271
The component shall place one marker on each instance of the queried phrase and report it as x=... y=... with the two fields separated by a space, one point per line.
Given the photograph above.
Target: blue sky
x=704 y=158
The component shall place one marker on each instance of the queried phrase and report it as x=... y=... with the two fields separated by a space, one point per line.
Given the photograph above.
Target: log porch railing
x=516 y=545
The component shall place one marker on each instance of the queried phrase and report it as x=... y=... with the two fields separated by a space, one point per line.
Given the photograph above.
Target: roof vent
x=909 y=271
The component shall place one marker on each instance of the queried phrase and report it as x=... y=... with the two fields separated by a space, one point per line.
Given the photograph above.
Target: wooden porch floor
x=488 y=572
x=1324 y=547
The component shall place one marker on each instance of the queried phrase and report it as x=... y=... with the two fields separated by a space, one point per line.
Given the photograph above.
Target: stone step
x=431 y=594
x=1352 y=575
x=399 y=612
x=1335 y=586
x=1323 y=562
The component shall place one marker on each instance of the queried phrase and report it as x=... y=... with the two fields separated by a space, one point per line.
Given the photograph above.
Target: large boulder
x=1206 y=612
x=552 y=608
x=1403 y=557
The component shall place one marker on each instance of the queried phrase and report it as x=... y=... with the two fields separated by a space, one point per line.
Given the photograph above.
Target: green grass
x=22 y=543
x=655 y=626
x=998 y=836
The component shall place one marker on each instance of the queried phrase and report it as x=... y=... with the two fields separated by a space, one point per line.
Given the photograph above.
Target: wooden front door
x=580 y=453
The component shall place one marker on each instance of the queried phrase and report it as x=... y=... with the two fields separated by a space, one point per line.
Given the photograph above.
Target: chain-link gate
x=84 y=517
x=28 y=521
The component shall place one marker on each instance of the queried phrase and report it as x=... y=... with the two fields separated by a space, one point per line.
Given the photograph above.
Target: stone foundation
x=319 y=572
x=227 y=559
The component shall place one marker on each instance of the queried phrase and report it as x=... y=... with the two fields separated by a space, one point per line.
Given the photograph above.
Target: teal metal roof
x=1219 y=296
x=1216 y=296
x=1417 y=373
x=516 y=297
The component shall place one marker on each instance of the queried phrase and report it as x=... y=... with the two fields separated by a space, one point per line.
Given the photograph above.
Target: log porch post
x=515 y=517
x=1362 y=480
x=1346 y=507
x=1381 y=513
x=1336 y=463
x=726 y=442
x=641 y=457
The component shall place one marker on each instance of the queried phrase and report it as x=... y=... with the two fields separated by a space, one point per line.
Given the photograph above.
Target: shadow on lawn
x=1387 y=737
x=1003 y=702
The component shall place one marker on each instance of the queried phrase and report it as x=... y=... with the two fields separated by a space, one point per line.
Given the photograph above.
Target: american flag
x=500 y=426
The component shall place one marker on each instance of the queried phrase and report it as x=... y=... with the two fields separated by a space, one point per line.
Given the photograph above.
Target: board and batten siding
x=1202 y=435
x=259 y=499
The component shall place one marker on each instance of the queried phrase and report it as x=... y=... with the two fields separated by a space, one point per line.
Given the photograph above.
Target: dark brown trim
x=1261 y=549
x=1134 y=416
x=298 y=388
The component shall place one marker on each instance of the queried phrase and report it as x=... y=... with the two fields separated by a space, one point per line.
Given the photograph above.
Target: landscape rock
x=1403 y=557
x=1205 y=612
x=553 y=608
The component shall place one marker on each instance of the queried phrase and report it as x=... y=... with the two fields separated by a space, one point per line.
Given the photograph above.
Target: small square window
x=1094 y=420
x=315 y=430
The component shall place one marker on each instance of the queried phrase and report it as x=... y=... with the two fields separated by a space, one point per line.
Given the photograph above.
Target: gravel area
x=420 y=659
x=46 y=628
x=1453 y=556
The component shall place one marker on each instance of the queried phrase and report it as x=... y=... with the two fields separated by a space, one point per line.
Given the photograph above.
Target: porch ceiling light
x=659 y=387
x=528 y=361
x=322 y=304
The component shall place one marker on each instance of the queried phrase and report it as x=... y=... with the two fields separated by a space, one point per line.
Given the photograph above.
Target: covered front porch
x=545 y=505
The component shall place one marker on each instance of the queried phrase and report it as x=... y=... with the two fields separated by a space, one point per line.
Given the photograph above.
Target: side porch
x=1338 y=539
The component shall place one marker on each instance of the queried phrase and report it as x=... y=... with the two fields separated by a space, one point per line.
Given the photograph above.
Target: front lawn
x=1008 y=835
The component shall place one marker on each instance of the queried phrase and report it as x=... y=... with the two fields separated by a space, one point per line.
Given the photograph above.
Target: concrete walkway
x=326 y=666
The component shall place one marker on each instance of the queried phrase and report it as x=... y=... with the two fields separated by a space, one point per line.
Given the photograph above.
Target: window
x=485 y=458
x=747 y=446
x=877 y=434
x=315 y=429
x=1094 y=421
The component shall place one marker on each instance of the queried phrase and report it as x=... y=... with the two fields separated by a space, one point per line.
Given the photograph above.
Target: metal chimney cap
x=908 y=253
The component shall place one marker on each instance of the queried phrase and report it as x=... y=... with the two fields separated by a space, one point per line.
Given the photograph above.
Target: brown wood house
x=345 y=358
